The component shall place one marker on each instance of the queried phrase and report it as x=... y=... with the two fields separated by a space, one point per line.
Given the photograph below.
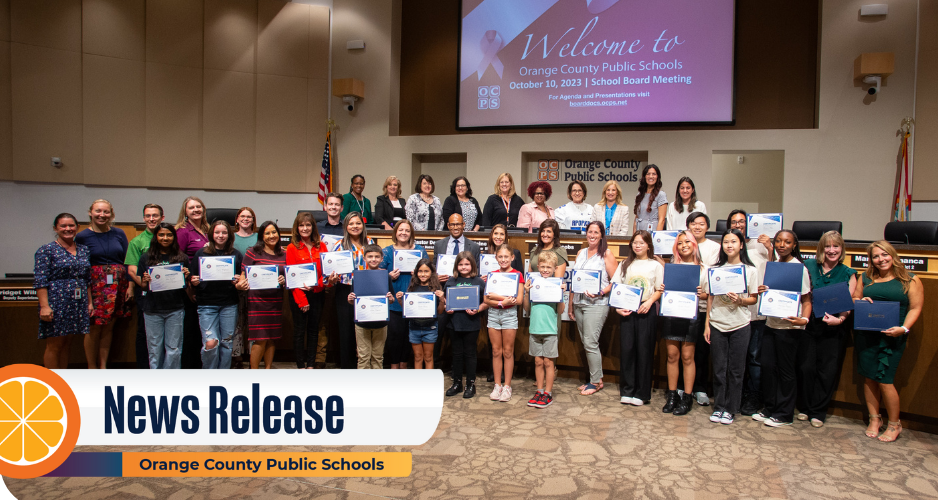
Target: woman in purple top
x=192 y=235
x=109 y=281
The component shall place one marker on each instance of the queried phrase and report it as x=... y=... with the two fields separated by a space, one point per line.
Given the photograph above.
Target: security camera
x=874 y=81
x=349 y=101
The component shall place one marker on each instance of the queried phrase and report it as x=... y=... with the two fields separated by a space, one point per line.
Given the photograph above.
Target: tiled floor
x=583 y=448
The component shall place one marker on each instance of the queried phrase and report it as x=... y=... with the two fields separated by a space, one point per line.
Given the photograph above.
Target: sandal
x=893 y=426
x=873 y=435
x=590 y=389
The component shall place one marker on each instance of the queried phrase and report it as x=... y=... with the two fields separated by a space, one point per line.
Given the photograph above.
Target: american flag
x=325 y=177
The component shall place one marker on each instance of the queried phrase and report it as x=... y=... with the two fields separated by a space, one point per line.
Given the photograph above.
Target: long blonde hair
x=898 y=268
x=511 y=190
x=183 y=221
x=618 y=192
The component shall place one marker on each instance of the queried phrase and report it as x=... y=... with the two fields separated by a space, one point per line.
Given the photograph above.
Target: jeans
x=217 y=323
x=589 y=321
x=306 y=329
x=164 y=339
x=753 y=383
x=728 y=351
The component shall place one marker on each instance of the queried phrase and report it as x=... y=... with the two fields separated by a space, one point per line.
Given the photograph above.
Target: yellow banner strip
x=261 y=464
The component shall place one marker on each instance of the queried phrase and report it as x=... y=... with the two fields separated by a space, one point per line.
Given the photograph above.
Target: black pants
x=779 y=348
x=636 y=353
x=306 y=328
x=465 y=355
x=441 y=327
x=191 y=338
x=729 y=364
x=140 y=344
x=397 y=346
x=345 y=317
x=820 y=358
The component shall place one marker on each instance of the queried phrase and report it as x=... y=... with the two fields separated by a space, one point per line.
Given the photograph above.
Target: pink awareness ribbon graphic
x=597 y=6
x=491 y=43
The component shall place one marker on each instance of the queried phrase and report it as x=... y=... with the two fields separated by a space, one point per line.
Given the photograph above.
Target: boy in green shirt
x=542 y=343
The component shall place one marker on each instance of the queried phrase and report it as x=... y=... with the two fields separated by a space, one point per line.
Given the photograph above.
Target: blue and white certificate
x=302 y=275
x=406 y=260
x=504 y=284
x=726 y=279
x=219 y=268
x=445 y=264
x=262 y=277
x=419 y=305
x=585 y=280
x=546 y=290
x=626 y=297
x=679 y=304
x=340 y=262
x=371 y=308
x=163 y=278
x=488 y=264
x=664 y=241
x=759 y=224
x=779 y=303
x=329 y=239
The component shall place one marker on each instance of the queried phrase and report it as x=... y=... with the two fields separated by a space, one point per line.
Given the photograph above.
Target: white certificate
x=262 y=277
x=504 y=284
x=726 y=279
x=164 y=278
x=759 y=224
x=219 y=268
x=301 y=275
x=329 y=239
x=626 y=297
x=445 y=264
x=664 y=241
x=586 y=281
x=371 y=308
x=546 y=290
x=679 y=304
x=419 y=305
x=406 y=260
x=339 y=262
x=779 y=303
x=488 y=264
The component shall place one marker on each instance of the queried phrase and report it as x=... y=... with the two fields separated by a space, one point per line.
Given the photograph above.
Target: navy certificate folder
x=877 y=316
x=784 y=276
x=370 y=282
x=681 y=278
x=831 y=299
x=462 y=298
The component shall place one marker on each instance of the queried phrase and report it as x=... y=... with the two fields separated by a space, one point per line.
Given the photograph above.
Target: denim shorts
x=503 y=319
x=418 y=336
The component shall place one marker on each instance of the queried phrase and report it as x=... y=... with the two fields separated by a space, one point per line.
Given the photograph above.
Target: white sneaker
x=637 y=402
x=726 y=418
x=506 y=394
x=496 y=393
x=774 y=422
x=760 y=417
x=625 y=400
x=715 y=417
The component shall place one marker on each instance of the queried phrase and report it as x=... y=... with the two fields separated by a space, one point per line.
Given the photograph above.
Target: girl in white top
x=637 y=328
x=685 y=202
x=780 y=343
x=589 y=310
x=576 y=214
x=727 y=330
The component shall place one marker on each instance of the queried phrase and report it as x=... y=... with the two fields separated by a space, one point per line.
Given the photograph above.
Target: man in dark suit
x=451 y=245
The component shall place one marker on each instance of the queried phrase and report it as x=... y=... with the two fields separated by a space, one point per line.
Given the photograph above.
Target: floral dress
x=66 y=277
x=419 y=213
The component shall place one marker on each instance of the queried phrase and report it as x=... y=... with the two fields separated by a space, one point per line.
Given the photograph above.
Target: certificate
x=462 y=298
x=337 y=262
x=219 y=268
x=783 y=276
x=301 y=275
x=329 y=239
x=726 y=279
x=406 y=260
x=831 y=299
x=679 y=304
x=876 y=317
x=504 y=284
x=488 y=264
x=163 y=278
x=681 y=277
x=759 y=224
x=371 y=308
x=664 y=241
x=586 y=281
x=626 y=297
x=370 y=282
x=779 y=303
x=419 y=305
x=262 y=277
x=547 y=290
x=445 y=264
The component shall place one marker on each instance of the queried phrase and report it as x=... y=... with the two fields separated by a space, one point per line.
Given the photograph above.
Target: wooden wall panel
x=281 y=133
x=318 y=42
x=318 y=104
x=5 y=20
x=113 y=28
x=47 y=23
x=174 y=126
x=282 y=38
x=228 y=133
x=114 y=118
x=46 y=114
x=174 y=32
x=925 y=175
x=230 y=34
x=6 y=117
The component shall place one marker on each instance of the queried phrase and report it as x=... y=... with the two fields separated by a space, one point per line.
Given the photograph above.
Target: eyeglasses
x=454 y=224
x=539 y=194
x=740 y=223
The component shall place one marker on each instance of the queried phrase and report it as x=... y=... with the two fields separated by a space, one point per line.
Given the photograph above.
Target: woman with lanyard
x=423 y=209
x=653 y=215
x=460 y=201
x=354 y=201
x=590 y=310
x=576 y=214
x=192 y=234
x=533 y=214
x=611 y=212
x=389 y=208
x=109 y=280
x=503 y=206
x=354 y=240
x=63 y=287
x=306 y=304
x=397 y=347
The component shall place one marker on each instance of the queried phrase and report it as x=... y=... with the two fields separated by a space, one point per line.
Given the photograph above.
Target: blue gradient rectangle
x=90 y=464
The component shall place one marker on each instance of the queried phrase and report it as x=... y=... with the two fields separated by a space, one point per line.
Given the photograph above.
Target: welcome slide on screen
x=558 y=62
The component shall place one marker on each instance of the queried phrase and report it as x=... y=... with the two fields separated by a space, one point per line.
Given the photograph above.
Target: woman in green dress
x=878 y=353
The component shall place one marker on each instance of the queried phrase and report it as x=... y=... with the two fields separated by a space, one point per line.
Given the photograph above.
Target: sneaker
x=637 y=402
x=774 y=422
x=546 y=400
x=454 y=389
x=496 y=393
x=817 y=422
x=625 y=400
x=727 y=418
x=715 y=417
x=702 y=398
x=802 y=417
x=535 y=401
x=506 y=394
x=760 y=417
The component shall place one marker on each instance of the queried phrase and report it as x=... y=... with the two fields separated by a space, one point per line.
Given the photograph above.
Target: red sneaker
x=546 y=400
x=536 y=400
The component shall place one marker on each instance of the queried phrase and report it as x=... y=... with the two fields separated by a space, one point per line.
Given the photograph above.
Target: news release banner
x=556 y=62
